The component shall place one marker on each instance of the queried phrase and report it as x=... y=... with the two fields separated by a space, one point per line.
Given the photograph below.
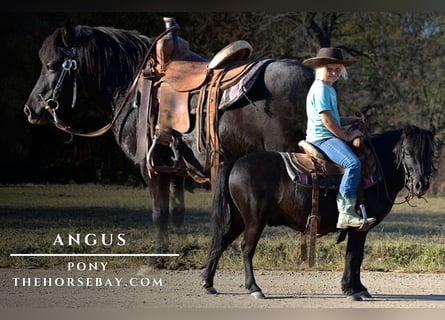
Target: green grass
x=410 y=239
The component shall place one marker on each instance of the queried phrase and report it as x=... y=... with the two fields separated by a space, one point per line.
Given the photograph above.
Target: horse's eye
x=408 y=153
x=51 y=67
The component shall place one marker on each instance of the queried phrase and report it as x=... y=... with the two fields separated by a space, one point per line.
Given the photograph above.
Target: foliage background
x=398 y=78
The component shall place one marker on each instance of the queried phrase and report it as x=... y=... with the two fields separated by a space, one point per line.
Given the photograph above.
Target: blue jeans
x=340 y=153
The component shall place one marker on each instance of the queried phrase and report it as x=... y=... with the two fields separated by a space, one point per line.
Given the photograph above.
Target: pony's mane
x=420 y=140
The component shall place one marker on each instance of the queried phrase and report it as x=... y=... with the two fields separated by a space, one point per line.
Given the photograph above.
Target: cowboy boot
x=348 y=217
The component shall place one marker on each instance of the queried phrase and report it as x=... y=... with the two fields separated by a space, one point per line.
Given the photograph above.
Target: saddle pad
x=230 y=95
x=299 y=167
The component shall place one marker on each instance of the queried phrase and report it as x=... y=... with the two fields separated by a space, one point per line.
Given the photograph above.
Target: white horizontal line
x=94 y=255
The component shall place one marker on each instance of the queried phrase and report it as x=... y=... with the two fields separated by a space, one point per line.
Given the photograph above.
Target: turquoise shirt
x=320 y=97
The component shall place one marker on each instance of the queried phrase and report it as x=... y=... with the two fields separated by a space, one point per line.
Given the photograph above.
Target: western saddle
x=174 y=74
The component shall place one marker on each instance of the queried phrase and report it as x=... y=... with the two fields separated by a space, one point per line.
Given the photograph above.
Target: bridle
x=401 y=162
x=70 y=65
x=409 y=179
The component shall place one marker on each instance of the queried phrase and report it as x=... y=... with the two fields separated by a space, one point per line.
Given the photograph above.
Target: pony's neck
x=385 y=144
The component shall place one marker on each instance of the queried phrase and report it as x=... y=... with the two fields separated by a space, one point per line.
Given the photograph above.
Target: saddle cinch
x=174 y=76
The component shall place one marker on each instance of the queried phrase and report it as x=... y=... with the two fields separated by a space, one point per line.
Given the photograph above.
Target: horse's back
x=273 y=118
x=288 y=76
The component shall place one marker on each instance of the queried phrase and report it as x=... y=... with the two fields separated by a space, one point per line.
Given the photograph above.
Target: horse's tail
x=221 y=208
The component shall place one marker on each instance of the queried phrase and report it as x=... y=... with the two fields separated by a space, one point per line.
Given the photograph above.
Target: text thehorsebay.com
x=87 y=274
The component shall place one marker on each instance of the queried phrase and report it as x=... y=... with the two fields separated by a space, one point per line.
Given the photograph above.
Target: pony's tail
x=221 y=208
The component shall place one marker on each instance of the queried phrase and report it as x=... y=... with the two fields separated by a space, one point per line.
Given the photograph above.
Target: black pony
x=101 y=63
x=255 y=191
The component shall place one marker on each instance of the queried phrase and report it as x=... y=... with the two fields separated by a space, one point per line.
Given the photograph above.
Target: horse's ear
x=407 y=129
x=68 y=34
x=433 y=129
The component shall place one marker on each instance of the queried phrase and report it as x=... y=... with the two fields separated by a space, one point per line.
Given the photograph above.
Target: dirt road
x=146 y=288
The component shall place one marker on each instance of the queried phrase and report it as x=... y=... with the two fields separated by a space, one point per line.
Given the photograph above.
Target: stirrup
x=367 y=222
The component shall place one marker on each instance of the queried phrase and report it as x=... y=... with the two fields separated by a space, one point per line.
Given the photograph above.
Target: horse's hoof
x=211 y=290
x=355 y=297
x=365 y=294
x=258 y=295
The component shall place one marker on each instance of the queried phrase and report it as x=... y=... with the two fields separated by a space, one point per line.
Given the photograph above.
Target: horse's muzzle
x=34 y=118
x=419 y=186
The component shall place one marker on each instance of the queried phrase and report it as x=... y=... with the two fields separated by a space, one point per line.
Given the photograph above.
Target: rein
x=70 y=64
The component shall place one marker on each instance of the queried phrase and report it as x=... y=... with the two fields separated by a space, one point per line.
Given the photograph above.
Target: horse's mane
x=420 y=140
x=423 y=142
x=104 y=53
x=109 y=47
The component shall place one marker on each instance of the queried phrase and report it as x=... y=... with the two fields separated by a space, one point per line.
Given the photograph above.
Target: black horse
x=101 y=63
x=255 y=191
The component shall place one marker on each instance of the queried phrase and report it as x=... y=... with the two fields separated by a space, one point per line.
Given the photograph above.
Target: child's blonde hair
x=320 y=72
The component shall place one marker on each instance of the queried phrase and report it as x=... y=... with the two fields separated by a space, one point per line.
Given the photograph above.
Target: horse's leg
x=159 y=186
x=219 y=245
x=176 y=202
x=251 y=237
x=351 y=283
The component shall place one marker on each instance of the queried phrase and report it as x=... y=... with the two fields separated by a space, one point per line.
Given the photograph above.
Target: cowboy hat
x=327 y=56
